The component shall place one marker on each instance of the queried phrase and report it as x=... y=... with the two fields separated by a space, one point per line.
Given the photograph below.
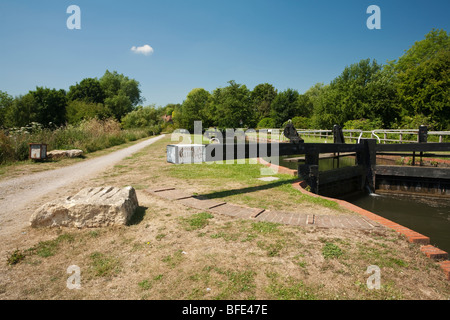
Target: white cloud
x=145 y=50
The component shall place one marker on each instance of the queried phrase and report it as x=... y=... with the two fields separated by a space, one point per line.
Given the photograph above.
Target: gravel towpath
x=19 y=197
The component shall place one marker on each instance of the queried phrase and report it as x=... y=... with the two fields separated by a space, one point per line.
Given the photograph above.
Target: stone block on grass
x=89 y=208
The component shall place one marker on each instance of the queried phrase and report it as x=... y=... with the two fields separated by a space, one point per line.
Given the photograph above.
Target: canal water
x=428 y=216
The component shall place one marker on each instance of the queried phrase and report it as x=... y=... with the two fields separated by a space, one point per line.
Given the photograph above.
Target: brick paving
x=257 y=214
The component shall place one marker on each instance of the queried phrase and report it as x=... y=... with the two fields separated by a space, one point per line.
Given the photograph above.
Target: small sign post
x=38 y=151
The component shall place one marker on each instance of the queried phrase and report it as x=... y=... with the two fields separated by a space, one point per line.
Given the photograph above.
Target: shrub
x=301 y=122
x=266 y=123
x=363 y=124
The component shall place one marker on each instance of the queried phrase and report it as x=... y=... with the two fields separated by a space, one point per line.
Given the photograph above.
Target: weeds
x=196 y=221
x=330 y=251
x=104 y=265
x=15 y=257
x=89 y=135
x=49 y=248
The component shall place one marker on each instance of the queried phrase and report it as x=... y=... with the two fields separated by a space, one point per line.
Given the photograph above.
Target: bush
x=266 y=123
x=301 y=122
x=363 y=124
x=141 y=117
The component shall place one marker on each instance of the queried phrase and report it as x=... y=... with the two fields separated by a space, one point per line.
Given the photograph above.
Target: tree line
x=408 y=92
x=111 y=96
x=403 y=93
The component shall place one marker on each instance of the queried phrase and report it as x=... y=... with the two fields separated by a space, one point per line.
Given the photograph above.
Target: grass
x=288 y=289
x=196 y=221
x=175 y=259
x=330 y=251
x=265 y=227
x=104 y=265
x=247 y=189
x=49 y=248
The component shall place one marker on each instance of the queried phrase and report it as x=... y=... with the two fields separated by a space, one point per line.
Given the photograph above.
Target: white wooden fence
x=382 y=135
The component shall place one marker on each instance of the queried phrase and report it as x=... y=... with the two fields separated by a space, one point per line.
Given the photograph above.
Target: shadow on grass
x=227 y=193
x=138 y=216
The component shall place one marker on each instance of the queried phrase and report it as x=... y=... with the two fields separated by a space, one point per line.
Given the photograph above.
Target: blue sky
x=203 y=43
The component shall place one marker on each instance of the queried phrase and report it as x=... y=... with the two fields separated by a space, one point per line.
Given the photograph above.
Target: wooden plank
x=417 y=172
x=218 y=152
x=425 y=147
x=321 y=156
x=340 y=174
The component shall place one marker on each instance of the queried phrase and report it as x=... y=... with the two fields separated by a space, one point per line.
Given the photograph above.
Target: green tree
x=49 y=106
x=196 y=108
x=301 y=122
x=326 y=111
x=78 y=110
x=5 y=103
x=121 y=93
x=21 y=112
x=363 y=90
x=266 y=123
x=305 y=106
x=141 y=117
x=231 y=106
x=423 y=78
x=262 y=96
x=285 y=106
x=88 y=90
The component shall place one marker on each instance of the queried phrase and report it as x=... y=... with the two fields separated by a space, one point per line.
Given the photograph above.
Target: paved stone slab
x=159 y=190
x=288 y=218
x=199 y=203
x=171 y=194
x=344 y=222
x=235 y=211
x=268 y=178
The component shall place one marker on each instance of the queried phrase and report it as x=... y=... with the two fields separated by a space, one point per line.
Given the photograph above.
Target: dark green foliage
x=423 y=78
x=88 y=90
x=266 y=123
x=231 y=107
x=262 y=97
x=285 y=106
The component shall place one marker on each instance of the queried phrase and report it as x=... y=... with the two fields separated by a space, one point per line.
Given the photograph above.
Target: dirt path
x=20 y=196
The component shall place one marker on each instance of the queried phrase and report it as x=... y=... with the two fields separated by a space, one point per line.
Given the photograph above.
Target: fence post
x=368 y=159
x=337 y=134
x=314 y=178
x=423 y=134
x=310 y=170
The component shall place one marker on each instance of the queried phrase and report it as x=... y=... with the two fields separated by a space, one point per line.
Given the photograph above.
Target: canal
x=428 y=216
